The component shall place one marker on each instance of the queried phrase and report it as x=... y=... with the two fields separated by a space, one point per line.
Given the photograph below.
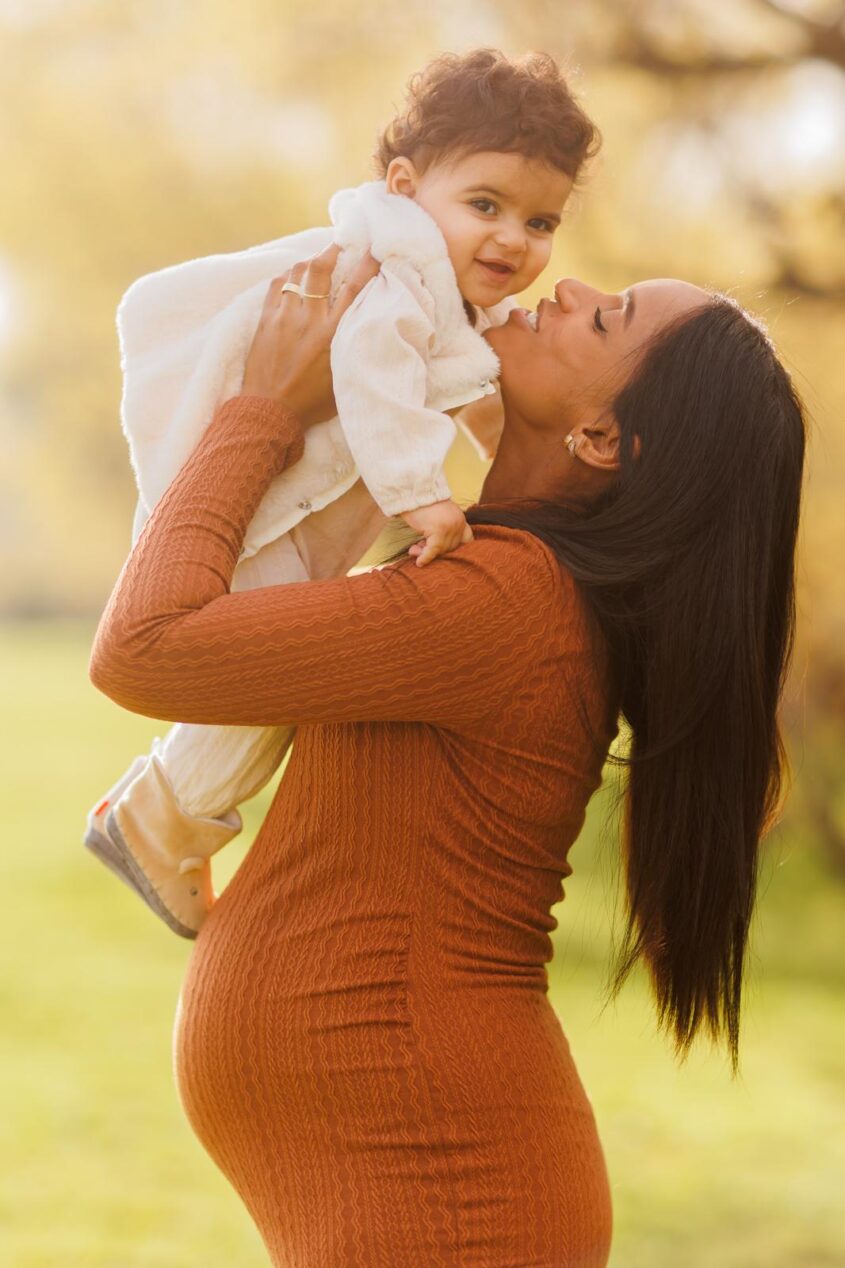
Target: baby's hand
x=444 y=527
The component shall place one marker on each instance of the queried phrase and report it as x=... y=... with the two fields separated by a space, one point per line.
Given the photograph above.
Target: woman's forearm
x=189 y=547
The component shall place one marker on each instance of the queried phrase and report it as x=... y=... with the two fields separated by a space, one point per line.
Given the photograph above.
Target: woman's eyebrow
x=629 y=309
x=497 y=193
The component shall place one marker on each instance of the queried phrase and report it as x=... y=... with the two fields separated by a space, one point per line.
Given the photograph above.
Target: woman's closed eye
x=597 y=322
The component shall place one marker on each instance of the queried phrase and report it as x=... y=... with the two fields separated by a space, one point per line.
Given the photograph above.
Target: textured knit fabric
x=214 y=769
x=364 y=1042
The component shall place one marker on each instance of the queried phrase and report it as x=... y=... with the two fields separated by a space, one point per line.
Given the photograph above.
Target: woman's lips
x=525 y=318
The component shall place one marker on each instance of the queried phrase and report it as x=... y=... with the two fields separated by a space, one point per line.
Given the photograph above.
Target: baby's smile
x=500 y=269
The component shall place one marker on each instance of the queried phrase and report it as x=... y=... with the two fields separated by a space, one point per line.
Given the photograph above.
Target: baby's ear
x=401 y=176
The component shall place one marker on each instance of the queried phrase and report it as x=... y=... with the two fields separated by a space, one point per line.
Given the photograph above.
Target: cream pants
x=212 y=769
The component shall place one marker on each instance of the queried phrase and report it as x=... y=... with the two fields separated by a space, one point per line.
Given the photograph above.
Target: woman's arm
x=443 y=644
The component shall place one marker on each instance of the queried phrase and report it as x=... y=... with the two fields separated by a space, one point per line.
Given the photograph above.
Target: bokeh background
x=138 y=133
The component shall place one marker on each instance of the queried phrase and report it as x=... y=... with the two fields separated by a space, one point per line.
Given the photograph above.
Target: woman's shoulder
x=499 y=608
x=530 y=570
x=508 y=567
x=522 y=554
x=513 y=546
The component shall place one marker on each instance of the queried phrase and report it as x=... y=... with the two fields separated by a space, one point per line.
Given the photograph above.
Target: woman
x=364 y=1042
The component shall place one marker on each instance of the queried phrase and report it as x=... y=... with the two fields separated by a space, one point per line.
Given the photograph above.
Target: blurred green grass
x=102 y=1170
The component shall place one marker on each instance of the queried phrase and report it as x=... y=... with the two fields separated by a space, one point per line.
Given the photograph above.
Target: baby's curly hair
x=483 y=100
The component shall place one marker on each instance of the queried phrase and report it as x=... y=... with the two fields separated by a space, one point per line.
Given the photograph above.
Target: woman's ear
x=401 y=176
x=599 y=446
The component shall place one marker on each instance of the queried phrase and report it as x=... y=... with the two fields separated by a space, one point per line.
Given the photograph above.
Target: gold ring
x=297 y=290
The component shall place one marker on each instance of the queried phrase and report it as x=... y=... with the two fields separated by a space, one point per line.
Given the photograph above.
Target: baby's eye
x=543 y=224
x=477 y=202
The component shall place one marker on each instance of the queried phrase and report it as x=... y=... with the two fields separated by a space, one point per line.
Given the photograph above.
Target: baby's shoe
x=96 y=837
x=143 y=835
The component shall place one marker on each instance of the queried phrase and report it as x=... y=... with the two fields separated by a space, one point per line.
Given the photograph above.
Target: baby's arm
x=443 y=526
x=380 y=369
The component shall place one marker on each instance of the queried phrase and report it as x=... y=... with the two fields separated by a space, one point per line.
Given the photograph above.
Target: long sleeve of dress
x=380 y=355
x=445 y=644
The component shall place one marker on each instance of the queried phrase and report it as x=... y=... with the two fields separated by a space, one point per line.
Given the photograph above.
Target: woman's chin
x=511 y=332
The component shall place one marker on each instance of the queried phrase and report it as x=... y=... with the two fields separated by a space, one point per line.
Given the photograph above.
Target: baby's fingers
x=426 y=554
x=439 y=544
x=429 y=548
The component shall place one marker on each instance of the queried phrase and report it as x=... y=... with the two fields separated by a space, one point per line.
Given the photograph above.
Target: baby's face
x=498 y=213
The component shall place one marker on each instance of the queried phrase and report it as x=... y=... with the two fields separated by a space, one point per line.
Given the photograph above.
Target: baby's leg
x=214 y=768
x=173 y=809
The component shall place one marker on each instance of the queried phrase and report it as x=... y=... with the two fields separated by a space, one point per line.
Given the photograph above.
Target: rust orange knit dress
x=364 y=1042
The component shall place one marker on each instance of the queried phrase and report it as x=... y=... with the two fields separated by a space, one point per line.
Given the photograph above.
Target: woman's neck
x=530 y=462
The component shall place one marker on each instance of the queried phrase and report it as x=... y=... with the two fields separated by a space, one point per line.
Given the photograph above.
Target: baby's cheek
x=462 y=256
x=536 y=261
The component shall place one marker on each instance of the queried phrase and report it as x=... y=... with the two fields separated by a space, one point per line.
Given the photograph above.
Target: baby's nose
x=511 y=235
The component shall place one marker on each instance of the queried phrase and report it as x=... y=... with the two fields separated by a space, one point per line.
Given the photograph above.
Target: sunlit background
x=138 y=133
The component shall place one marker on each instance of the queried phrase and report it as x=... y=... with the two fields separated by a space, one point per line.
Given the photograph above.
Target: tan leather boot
x=142 y=833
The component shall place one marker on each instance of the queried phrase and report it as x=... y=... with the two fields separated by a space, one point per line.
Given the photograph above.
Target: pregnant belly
x=327 y=1073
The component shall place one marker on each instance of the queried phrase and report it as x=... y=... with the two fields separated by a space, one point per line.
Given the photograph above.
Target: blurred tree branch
x=824 y=40
x=716 y=64
x=639 y=45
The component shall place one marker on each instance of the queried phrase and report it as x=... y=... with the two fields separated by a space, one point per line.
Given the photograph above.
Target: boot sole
x=113 y=851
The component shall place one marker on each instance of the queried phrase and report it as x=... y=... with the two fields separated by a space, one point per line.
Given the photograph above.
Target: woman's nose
x=572 y=294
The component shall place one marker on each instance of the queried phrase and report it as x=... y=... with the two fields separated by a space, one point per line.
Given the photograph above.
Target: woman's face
x=568 y=367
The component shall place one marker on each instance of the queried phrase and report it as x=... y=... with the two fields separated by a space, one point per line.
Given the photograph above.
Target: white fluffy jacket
x=402 y=354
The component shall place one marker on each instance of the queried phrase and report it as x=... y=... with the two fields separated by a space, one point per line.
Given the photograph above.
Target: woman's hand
x=289 y=359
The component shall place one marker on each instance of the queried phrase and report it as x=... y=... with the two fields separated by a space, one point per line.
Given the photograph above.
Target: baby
x=474 y=175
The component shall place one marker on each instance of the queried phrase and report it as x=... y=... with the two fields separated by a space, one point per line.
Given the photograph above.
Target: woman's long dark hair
x=688 y=565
